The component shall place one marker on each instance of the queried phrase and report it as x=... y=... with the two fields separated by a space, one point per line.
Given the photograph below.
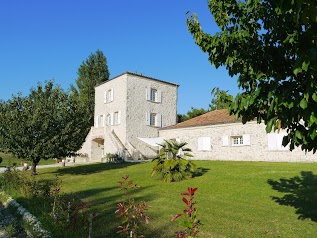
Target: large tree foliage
x=194 y=112
x=221 y=99
x=91 y=72
x=49 y=123
x=272 y=47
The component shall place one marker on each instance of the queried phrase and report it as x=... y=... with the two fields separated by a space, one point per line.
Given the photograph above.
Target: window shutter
x=148 y=93
x=158 y=120
x=111 y=95
x=200 y=144
x=207 y=144
x=105 y=100
x=119 y=117
x=147 y=118
x=271 y=141
x=103 y=120
x=246 y=139
x=225 y=140
x=279 y=141
x=204 y=144
x=111 y=119
x=96 y=121
x=159 y=96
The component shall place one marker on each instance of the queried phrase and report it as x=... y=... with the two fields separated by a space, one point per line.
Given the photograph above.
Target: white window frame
x=109 y=95
x=153 y=119
x=236 y=140
x=109 y=119
x=153 y=95
x=117 y=118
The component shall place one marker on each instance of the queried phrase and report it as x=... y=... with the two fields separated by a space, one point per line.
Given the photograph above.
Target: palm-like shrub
x=171 y=163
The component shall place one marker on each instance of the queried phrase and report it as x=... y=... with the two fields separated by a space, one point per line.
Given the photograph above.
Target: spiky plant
x=171 y=163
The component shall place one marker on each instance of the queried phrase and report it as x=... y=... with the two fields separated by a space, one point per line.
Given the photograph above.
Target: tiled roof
x=209 y=118
x=139 y=75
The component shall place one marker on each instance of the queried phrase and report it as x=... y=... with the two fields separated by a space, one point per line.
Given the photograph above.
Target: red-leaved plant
x=190 y=221
x=132 y=214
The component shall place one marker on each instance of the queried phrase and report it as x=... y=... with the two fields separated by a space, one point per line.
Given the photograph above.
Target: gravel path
x=9 y=226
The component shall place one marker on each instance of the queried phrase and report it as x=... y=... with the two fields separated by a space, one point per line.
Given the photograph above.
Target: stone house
x=218 y=136
x=128 y=107
x=133 y=113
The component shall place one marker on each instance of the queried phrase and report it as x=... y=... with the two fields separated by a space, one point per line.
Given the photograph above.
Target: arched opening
x=97 y=149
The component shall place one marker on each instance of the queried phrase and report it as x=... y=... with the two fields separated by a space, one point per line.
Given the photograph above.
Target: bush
x=190 y=221
x=171 y=163
x=131 y=214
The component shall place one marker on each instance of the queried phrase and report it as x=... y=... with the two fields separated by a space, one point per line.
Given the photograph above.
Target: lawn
x=235 y=199
x=9 y=159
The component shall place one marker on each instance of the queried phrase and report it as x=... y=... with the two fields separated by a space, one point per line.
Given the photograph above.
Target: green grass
x=234 y=198
x=9 y=159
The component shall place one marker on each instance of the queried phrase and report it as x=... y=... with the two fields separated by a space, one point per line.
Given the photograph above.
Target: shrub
x=12 y=179
x=132 y=214
x=171 y=163
x=190 y=221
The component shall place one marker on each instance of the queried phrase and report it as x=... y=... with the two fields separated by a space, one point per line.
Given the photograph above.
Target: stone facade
x=127 y=107
x=220 y=145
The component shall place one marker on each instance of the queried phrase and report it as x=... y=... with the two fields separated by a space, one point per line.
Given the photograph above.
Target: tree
x=221 y=99
x=49 y=123
x=272 y=47
x=171 y=163
x=194 y=112
x=91 y=72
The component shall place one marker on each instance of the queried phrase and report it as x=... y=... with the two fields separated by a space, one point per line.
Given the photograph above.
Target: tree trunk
x=33 y=168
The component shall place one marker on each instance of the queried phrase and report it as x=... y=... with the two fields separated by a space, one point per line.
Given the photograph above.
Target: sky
x=44 y=40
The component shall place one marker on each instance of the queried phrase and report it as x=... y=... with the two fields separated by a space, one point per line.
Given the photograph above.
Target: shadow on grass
x=301 y=193
x=103 y=201
x=90 y=168
x=200 y=172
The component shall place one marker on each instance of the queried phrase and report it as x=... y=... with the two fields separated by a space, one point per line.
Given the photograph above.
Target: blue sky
x=43 y=40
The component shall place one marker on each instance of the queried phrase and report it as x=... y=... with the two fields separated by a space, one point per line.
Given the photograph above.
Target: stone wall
x=257 y=150
x=138 y=106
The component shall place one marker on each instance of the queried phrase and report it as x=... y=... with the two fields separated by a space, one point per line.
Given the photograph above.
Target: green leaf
x=303 y=103
x=312 y=119
x=298 y=134
x=314 y=97
x=313 y=134
x=186 y=224
x=305 y=65
x=296 y=71
x=269 y=126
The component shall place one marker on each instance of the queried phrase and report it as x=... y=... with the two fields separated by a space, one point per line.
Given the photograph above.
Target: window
x=204 y=144
x=101 y=121
x=153 y=119
x=109 y=95
x=153 y=95
x=238 y=140
x=109 y=119
x=117 y=118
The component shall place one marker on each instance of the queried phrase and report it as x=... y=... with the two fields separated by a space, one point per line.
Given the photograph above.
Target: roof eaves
x=139 y=75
